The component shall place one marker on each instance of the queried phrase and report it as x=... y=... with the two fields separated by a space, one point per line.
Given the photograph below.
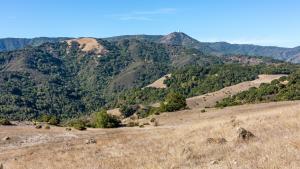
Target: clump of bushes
x=50 y=119
x=103 y=120
x=4 y=121
x=78 y=124
x=147 y=111
x=97 y=120
x=173 y=102
x=53 y=121
x=128 y=111
x=141 y=111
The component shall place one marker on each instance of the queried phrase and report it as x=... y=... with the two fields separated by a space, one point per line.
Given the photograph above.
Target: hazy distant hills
x=8 y=44
x=177 y=39
x=221 y=48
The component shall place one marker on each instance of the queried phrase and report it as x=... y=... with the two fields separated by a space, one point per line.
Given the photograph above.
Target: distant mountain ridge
x=8 y=44
x=221 y=48
x=176 y=39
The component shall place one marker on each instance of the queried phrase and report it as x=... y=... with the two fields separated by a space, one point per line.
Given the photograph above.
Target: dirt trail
x=210 y=99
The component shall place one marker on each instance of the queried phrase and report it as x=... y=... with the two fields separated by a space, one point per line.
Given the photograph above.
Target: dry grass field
x=180 y=141
x=89 y=44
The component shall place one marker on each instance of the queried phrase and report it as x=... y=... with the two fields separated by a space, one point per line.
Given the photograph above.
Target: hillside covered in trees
x=73 y=79
x=77 y=77
x=194 y=80
x=286 y=88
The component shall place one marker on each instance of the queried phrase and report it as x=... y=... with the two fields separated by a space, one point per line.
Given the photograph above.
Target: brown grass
x=178 y=142
x=210 y=99
x=89 y=45
x=159 y=83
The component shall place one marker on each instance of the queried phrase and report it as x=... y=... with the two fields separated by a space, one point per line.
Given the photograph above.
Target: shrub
x=49 y=119
x=78 y=124
x=173 y=102
x=53 y=121
x=4 y=121
x=147 y=111
x=128 y=111
x=47 y=127
x=44 y=118
x=103 y=120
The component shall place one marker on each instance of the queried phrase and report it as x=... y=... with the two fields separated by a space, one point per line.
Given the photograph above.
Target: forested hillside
x=286 y=88
x=196 y=80
x=67 y=79
x=79 y=76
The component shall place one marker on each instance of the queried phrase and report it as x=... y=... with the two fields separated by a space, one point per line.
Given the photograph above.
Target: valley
x=179 y=140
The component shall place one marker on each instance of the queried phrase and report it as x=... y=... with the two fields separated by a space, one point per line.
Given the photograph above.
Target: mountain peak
x=178 y=38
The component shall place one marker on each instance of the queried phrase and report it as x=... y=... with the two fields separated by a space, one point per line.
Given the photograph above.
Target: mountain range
x=179 y=39
x=221 y=48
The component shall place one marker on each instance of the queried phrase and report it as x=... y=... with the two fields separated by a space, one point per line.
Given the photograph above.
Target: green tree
x=103 y=120
x=53 y=120
x=128 y=111
x=173 y=102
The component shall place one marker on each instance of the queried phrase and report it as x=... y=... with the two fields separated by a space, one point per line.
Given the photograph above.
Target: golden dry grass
x=210 y=99
x=159 y=83
x=178 y=142
x=88 y=45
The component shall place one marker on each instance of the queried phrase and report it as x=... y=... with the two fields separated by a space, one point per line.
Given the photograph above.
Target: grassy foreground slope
x=180 y=141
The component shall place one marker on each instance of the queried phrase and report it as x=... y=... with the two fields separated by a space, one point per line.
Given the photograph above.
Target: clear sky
x=264 y=22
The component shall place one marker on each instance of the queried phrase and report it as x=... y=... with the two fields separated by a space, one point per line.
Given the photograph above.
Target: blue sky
x=264 y=22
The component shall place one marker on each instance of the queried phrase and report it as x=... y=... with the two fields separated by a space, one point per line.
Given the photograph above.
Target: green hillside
x=286 y=88
x=64 y=80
